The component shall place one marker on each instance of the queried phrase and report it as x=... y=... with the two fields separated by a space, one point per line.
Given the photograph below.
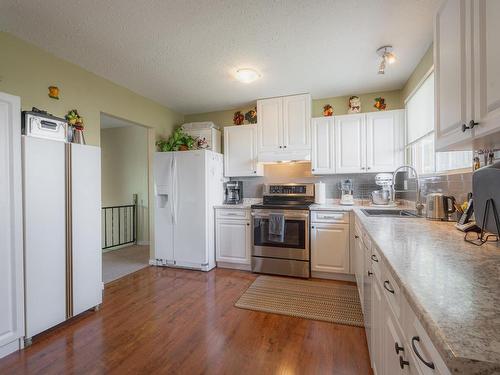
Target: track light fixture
x=386 y=56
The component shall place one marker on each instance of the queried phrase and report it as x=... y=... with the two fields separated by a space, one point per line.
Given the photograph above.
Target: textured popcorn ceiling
x=182 y=53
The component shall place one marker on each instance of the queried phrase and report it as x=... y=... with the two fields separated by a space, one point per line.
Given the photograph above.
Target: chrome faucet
x=418 y=204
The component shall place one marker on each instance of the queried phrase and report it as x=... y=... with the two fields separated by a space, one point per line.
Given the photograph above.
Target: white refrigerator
x=62 y=231
x=187 y=185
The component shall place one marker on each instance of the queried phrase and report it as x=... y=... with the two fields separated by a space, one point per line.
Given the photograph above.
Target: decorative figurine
x=477 y=163
x=251 y=116
x=238 y=118
x=327 y=110
x=354 y=104
x=380 y=103
x=54 y=92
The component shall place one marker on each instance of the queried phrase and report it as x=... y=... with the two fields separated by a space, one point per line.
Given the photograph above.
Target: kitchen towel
x=276 y=227
x=319 y=193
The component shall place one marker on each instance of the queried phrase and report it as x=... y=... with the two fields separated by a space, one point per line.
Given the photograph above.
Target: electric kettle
x=439 y=207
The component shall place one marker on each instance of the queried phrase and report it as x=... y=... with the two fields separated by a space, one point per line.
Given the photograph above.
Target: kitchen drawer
x=376 y=263
x=330 y=217
x=391 y=291
x=232 y=213
x=423 y=352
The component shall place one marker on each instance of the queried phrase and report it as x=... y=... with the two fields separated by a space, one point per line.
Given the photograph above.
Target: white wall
x=125 y=171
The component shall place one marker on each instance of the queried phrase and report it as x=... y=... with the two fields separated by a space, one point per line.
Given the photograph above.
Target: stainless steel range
x=281 y=230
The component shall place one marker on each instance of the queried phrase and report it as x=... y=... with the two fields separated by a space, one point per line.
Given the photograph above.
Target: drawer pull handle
x=356 y=236
x=414 y=347
x=370 y=273
x=374 y=258
x=386 y=286
x=398 y=348
x=403 y=363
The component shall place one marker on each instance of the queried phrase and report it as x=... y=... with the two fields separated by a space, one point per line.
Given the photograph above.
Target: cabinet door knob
x=356 y=236
x=370 y=273
x=281 y=146
x=472 y=123
x=312 y=226
x=374 y=258
x=284 y=146
x=313 y=169
x=254 y=171
x=369 y=168
x=403 y=363
x=248 y=224
x=398 y=348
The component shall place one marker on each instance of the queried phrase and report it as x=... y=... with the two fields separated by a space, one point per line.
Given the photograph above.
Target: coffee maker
x=233 y=192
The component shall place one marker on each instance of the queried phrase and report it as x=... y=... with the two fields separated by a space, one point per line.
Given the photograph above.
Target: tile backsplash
x=457 y=185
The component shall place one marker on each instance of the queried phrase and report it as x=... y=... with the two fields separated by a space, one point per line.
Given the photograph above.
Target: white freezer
x=187 y=185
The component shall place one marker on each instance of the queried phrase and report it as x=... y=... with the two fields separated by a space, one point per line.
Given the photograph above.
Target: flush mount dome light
x=247 y=75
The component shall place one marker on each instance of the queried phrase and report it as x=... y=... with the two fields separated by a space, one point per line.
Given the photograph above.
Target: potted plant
x=178 y=141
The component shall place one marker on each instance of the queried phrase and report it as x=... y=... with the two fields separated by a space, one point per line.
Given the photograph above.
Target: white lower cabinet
x=233 y=238
x=398 y=343
x=330 y=248
x=330 y=251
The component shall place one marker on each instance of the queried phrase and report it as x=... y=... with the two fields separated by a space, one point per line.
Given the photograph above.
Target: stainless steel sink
x=389 y=213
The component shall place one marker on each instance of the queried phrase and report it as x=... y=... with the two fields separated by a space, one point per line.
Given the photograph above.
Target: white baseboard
x=11 y=347
x=236 y=266
x=333 y=276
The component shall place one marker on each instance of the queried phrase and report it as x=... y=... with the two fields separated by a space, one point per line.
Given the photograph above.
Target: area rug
x=309 y=299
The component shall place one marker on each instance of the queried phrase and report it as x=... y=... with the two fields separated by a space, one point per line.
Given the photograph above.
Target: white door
x=487 y=66
x=44 y=233
x=11 y=226
x=384 y=140
x=323 y=151
x=377 y=326
x=350 y=141
x=163 y=212
x=86 y=226
x=240 y=151
x=391 y=337
x=452 y=89
x=233 y=241
x=190 y=209
x=297 y=122
x=270 y=124
x=330 y=248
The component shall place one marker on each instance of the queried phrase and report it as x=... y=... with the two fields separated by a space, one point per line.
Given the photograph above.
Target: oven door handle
x=294 y=216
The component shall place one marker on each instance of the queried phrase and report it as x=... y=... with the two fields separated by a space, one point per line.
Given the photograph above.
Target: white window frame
x=408 y=145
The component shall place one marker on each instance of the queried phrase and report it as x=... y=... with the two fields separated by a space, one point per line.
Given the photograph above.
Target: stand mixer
x=347 y=197
x=383 y=197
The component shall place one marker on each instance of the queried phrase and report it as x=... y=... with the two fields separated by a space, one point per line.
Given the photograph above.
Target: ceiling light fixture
x=386 y=56
x=247 y=75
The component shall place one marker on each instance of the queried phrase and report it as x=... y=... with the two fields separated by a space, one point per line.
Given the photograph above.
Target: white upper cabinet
x=350 y=136
x=296 y=122
x=452 y=85
x=11 y=226
x=467 y=71
x=384 y=140
x=270 y=124
x=284 y=128
x=487 y=66
x=240 y=151
x=323 y=150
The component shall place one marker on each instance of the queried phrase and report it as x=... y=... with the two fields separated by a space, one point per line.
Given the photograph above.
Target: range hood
x=284 y=156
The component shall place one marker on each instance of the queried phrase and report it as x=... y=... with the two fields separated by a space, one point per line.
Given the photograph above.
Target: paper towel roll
x=319 y=193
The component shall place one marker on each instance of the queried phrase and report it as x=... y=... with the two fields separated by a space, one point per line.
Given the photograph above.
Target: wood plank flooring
x=168 y=321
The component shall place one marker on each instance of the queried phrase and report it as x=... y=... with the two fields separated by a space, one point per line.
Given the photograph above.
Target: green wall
x=420 y=71
x=27 y=71
x=393 y=100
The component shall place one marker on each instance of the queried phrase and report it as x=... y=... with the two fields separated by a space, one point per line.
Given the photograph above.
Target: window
x=420 y=151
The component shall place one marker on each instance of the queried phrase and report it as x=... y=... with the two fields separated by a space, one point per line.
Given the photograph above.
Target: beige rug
x=317 y=300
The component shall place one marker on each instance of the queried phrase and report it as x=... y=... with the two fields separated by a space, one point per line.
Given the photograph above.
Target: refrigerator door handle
x=174 y=191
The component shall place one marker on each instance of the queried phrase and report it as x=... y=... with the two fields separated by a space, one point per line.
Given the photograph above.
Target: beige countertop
x=452 y=286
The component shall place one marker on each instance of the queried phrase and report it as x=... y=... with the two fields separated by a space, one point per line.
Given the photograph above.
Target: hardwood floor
x=168 y=321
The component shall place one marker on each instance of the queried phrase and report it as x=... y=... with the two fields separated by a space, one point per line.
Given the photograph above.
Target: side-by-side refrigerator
x=62 y=231
x=187 y=185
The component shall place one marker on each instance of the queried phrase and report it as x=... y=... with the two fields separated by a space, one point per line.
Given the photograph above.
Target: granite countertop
x=247 y=203
x=452 y=286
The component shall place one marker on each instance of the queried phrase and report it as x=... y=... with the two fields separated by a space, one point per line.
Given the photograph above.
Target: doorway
x=125 y=197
